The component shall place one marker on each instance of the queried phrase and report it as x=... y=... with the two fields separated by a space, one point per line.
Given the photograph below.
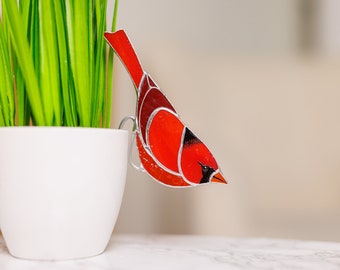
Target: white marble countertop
x=194 y=252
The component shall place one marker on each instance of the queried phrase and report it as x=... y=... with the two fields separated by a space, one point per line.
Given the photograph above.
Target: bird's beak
x=218 y=178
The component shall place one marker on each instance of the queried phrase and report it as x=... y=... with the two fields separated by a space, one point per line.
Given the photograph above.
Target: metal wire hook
x=125 y=119
x=133 y=139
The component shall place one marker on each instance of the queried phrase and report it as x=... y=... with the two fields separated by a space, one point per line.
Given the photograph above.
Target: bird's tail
x=123 y=48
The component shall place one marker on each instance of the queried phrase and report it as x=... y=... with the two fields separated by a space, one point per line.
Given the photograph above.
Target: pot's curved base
x=56 y=256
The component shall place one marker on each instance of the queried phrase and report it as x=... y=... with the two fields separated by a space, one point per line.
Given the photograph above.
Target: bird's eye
x=205 y=169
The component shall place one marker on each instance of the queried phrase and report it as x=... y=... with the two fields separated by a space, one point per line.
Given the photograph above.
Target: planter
x=60 y=189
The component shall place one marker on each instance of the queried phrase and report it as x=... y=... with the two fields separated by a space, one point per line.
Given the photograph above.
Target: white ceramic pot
x=60 y=189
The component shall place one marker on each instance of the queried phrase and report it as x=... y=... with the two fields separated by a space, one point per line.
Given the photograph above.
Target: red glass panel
x=165 y=137
x=156 y=171
x=153 y=100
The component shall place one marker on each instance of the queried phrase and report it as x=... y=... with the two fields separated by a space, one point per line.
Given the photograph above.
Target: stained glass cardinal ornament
x=168 y=150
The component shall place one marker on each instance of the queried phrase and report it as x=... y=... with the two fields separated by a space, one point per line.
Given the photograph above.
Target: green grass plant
x=55 y=67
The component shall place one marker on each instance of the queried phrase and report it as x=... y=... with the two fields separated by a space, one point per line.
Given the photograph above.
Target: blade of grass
x=73 y=99
x=3 y=79
x=101 y=87
x=34 y=36
x=21 y=97
x=60 y=14
x=91 y=46
x=49 y=69
x=22 y=107
x=6 y=78
x=94 y=86
x=7 y=103
x=99 y=73
x=81 y=68
x=2 y=122
x=22 y=52
x=69 y=13
x=109 y=74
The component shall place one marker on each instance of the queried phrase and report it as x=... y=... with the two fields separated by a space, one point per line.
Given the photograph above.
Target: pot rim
x=51 y=128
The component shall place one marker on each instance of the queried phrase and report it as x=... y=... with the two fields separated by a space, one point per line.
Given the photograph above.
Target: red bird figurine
x=168 y=150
